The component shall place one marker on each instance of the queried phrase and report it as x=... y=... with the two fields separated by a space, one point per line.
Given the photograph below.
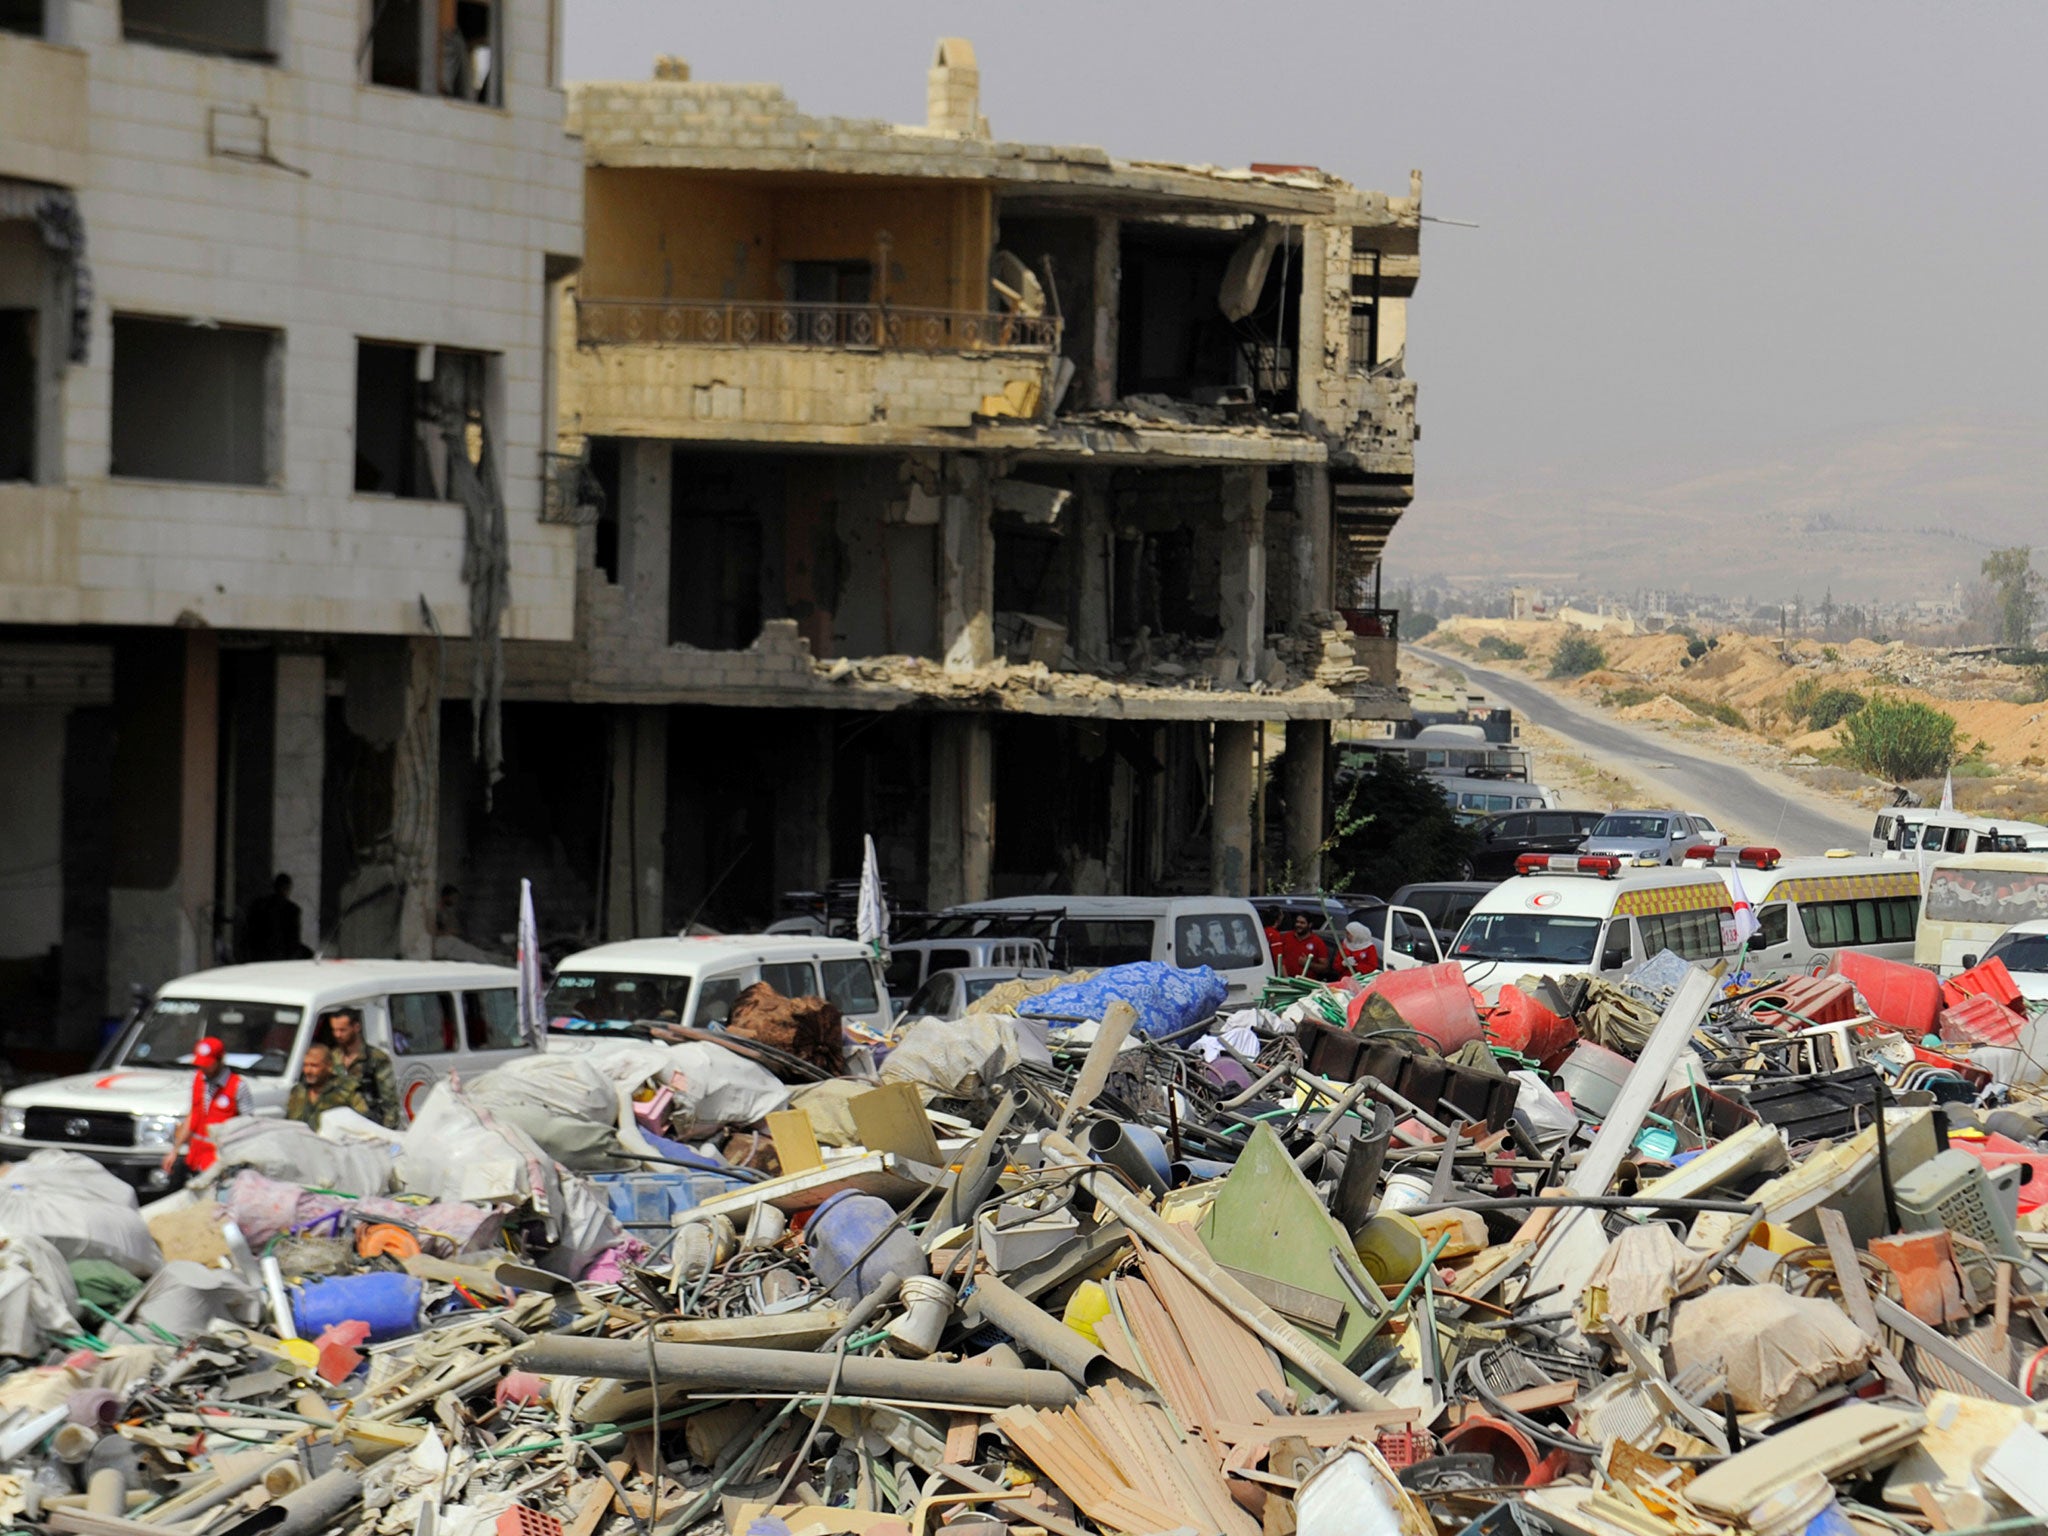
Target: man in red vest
x=218 y=1093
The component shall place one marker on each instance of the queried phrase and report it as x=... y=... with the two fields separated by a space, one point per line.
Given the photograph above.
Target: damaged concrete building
x=984 y=497
x=275 y=279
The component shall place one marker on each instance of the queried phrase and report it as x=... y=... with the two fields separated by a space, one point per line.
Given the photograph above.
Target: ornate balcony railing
x=718 y=323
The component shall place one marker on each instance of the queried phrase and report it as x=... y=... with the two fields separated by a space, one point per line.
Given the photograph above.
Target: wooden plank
x=1319 y=1430
x=1965 y=1365
x=1291 y=1301
x=1856 y=1298
x=796 y=1142
x=892 y=1119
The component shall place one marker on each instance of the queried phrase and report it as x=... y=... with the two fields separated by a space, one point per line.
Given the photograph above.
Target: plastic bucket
x=844 y=1226
x=1517 y=1022
x=1432 y=1000
x=389 y=1303
x=1903 y=996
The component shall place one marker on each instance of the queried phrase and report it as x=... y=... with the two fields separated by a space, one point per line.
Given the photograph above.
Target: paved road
x=1755 y=802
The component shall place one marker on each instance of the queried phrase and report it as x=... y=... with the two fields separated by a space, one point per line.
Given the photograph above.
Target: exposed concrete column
x=646 y=496
x=298 y=781
x=1230 y=808
x=1308 y=746
x=198 y=792
x=1095 y=554
x=416 y=798
x=1243 y=607
x=963 y=820
x=967 y=560
x=1105 y=284
x=635 y=869
x=1313 y=578
x=1311 y=357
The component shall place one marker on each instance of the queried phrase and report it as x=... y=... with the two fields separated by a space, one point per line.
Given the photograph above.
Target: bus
x=1967 y=900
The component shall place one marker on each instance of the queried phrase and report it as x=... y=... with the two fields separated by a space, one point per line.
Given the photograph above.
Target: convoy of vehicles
x=433 y=1017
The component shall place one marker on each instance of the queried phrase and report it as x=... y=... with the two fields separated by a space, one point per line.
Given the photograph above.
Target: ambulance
x=1809 y=910
x=1567 y=914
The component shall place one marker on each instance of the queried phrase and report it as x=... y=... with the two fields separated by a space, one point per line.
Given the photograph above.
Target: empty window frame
x=422 y=419
x=20 y=385
x=240 y=29
x=196 y=400
x=1365 y=310
x=452 y=48
x=26 y=17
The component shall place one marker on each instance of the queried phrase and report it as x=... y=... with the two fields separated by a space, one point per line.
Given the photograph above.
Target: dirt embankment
x=1744 y=689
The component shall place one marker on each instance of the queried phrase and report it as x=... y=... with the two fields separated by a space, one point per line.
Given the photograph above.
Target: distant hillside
x=1894 y=514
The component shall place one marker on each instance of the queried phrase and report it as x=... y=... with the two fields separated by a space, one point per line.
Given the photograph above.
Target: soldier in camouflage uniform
x=367 y=1068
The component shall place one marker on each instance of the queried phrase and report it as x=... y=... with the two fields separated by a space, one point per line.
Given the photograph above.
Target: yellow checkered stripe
x=1845 y=887
x=1700 y=897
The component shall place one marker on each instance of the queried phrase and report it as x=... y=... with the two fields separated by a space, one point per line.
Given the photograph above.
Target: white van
x=1582 y=915
x=433 y=1016
x=1472 y=798
x=912 y=962
x=1221 y=932
x=692 y=981
x=1915 y=833
x=1968 y=900
x=1810 y=910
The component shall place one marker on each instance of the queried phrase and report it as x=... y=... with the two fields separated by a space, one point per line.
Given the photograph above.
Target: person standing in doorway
x=272 y=929
x=218 y=1093
x=368 y=1068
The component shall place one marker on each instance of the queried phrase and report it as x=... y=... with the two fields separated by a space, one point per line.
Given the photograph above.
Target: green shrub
x=1799 y=698
x=1415 y=623
x=1627 y=698
x=1575 y=656
x=1831 y=707
x=1503 y=648
x=1394 y=824
x=1899 y=739
x=1712 y=709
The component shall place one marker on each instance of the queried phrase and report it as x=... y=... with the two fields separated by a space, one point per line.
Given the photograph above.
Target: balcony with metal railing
x=776 y=323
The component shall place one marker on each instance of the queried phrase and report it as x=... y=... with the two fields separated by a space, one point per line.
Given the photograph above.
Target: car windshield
x=1223 y=941
x=258 y=1036
x=1633 y=827
x=581 y=1002
x=1527 y=936
x=2021 y=951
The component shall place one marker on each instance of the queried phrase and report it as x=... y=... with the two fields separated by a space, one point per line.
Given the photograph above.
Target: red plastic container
x=1980 y=1021
x=1432 y=1000
x=1903 y=996
x=1987 y=978
x=1994 y=1152
x=1518 y=1023
x=1814 y=999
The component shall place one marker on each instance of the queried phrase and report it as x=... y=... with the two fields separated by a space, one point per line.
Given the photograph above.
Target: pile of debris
x=1670 y=1255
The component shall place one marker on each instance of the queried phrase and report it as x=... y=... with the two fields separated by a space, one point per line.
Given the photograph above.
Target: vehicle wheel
x=1464 y=869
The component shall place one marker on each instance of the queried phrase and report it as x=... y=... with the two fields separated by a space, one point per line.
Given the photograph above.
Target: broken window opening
x=238 y=29
x=605 y=468
x=26 y=17
x=451 y=48
x=19 y=382
x=195 y=400
x=831 y=282
x=718 y=551
x=1174 y=338
x=407 y=427
x=1365 y=310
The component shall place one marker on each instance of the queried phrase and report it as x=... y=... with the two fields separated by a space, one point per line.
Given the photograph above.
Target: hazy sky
x=1704 y=228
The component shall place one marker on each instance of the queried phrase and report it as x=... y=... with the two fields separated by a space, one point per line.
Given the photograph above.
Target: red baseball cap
x=207 y=1054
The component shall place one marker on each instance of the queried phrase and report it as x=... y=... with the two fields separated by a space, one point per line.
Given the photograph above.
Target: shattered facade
x=985 y=497
x=274 y=356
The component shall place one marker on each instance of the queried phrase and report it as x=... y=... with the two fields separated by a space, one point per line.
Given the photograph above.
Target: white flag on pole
x=531 y=1024
x=871 y=921
x=1948 y=791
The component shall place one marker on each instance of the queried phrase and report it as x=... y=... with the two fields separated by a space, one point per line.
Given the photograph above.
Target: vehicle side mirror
x=1968 y=961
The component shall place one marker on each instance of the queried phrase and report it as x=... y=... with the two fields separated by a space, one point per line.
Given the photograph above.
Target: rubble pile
x=1686 y=1253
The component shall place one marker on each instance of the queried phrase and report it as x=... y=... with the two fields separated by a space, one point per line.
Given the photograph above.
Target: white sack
x=83 y=1211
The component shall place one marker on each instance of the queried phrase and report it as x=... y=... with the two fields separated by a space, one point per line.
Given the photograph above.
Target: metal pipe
x=1292 y=1345
x=305 y=1510
x=1581 y=1202
x=1113 y=1144
x=106 y=1492
x=1041 y=1334
x=719 y=1368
